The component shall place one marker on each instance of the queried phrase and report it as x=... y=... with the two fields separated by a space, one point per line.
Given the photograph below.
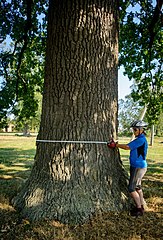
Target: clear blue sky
x=123 y=84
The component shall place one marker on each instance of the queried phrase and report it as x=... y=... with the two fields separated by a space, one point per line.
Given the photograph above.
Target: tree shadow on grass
x=9 y=156
x=13 y=161
x=15 y=168
x=152 y=188
x=155 y=167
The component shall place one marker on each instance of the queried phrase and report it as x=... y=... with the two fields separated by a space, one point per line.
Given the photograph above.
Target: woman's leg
x=140 y=193
x=140 y=175
x=136 y=198
x=136 y=193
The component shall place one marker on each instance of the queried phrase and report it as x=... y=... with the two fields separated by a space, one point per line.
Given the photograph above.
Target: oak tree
x=71 y=181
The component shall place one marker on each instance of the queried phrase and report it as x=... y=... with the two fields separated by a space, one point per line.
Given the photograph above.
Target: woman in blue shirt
x=138 y=164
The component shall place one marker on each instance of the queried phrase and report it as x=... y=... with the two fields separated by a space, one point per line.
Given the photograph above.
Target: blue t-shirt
x=138 y=151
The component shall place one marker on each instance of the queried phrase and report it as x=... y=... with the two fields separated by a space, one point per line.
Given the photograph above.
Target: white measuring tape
x=64 y=141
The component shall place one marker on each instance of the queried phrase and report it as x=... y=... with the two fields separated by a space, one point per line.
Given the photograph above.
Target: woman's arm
x=123 y=146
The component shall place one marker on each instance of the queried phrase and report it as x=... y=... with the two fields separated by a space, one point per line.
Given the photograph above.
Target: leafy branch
x=141 y=55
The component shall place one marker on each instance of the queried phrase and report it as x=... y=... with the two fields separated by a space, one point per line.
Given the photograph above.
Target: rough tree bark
x=69 y=182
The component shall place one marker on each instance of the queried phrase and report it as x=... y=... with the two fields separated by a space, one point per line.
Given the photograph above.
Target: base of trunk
x=75 y=200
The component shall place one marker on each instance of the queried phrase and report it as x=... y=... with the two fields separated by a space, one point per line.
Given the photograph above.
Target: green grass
x=16 y=155
x=16 y=160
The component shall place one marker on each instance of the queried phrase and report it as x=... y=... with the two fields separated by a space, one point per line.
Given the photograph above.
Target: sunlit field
x=16 y=160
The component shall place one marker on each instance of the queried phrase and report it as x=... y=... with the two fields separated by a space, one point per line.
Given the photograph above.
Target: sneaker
x=136 y=212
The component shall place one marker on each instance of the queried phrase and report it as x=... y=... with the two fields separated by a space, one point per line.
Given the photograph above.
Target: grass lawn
x=16 y=159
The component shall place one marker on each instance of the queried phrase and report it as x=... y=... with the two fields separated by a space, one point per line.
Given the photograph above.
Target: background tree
x=159 y=126
x=23 y=27
x=127 y=113
x=141 y=54
x=25 y=122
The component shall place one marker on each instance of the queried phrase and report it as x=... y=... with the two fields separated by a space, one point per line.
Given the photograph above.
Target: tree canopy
x=23 y=41
x=23 y=38
x=141 y=54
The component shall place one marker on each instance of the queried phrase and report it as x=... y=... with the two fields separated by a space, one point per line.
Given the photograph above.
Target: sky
x=123 y=84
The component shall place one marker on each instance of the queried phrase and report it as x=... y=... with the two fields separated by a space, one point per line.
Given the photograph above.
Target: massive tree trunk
x=71 y=181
